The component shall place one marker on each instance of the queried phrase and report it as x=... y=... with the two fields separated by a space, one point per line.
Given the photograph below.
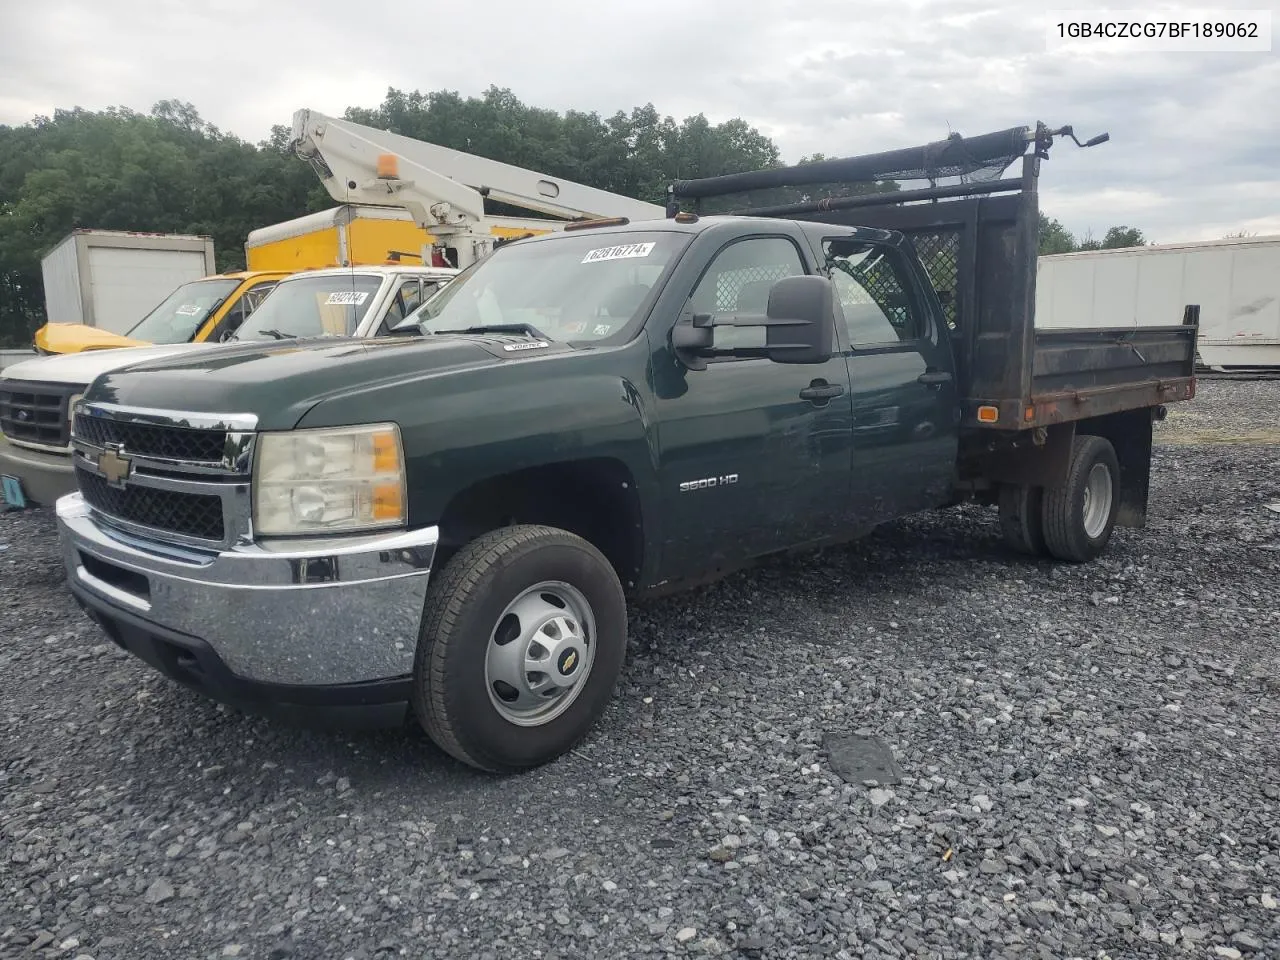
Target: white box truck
x=110 y=279
x=1235 y=281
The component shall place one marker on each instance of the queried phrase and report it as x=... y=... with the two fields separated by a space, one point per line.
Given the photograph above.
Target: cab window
x=407 y=298
x=240 y=311
x=872 y=293
x=738 y=281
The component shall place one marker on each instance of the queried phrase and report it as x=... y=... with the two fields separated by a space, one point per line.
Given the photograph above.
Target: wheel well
x=1024 y=459
x=1130 y=435
x=595 y=499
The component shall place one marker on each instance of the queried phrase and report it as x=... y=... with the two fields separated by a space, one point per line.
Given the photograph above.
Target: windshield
x=325 y=306
x=584 y=287
x=180 y=315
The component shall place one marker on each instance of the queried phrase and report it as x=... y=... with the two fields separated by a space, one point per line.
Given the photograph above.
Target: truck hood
x=84 y=367
x=74 y=337
x=280 y=382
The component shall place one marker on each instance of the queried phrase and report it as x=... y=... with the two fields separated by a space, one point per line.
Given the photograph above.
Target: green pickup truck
x=447 y=524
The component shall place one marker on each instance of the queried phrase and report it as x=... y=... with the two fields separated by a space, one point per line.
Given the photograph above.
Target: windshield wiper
x=275 y=334
x=525 y=328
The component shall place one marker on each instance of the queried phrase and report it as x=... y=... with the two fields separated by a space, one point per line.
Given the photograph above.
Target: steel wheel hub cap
x=1097 y=500
x=540 y=653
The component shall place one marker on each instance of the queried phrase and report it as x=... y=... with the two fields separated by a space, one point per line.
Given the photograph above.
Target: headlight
x=71 y=408
x=332 y=480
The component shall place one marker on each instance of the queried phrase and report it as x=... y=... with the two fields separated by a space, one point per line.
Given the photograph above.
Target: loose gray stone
x=1247 y=940
x=159 y=891
x=1005 y=683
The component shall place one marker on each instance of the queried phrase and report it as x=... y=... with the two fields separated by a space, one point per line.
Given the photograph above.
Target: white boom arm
x=443 y=189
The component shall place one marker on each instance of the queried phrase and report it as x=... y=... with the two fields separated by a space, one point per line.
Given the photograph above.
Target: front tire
x=523 y=637
x=1079 y=516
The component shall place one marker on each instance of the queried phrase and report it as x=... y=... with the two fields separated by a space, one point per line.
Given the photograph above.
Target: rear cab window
x=873 y=293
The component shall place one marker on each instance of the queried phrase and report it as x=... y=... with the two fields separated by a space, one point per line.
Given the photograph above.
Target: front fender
x=461 y=427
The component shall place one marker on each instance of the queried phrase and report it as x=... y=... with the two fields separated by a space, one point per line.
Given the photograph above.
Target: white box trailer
x=1235 y=281
x=110 y=279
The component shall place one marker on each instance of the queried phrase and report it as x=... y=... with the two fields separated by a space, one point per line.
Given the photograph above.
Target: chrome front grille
x=196 y=515
x=172 y=476
x=35 y=412
x=149 y=440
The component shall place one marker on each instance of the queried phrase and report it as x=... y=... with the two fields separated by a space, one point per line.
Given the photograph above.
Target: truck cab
x=447 y=525
x=358 y=301
x=207 y=309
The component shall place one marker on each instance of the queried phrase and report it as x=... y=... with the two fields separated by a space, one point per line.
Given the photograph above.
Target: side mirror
x=407 y=327
x=799 y=327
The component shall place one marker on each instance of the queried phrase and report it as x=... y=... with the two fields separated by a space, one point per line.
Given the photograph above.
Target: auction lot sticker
x=622 y=252
x=350 y=298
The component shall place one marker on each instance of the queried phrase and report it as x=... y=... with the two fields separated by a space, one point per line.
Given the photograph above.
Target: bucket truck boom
x=444 y=190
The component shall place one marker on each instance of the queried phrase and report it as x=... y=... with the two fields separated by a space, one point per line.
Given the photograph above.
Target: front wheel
x=1079 y=515
x=523 y=638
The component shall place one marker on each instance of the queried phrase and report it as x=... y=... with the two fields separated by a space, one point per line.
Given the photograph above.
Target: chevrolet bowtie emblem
x=114 y=466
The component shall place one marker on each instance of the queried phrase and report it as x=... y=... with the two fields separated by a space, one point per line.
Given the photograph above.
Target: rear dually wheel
x=1079 y=516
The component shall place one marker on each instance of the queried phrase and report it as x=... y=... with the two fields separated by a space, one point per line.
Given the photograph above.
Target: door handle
x=932 y=377
x=821 y=390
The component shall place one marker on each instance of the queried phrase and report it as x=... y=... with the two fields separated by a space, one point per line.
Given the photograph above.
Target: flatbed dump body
x=978 y=241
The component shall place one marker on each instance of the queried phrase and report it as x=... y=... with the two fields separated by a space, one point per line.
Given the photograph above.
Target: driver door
x=755 y=455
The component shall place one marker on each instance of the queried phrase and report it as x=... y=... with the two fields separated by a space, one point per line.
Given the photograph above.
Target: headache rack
x=976 y=233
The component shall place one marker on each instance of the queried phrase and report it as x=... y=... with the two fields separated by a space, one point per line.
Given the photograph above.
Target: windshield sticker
x=350 y=298
x=579 y=327
x=623 y=252
x=602 y=329
x=188 y=310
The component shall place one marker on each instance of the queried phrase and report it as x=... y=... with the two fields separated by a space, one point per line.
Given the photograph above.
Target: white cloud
x=817 y=75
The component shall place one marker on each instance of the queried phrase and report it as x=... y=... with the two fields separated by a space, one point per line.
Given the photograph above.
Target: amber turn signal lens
x=386 y=455
x=387 y=502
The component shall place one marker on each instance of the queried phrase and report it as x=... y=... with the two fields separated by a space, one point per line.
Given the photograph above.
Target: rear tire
x=1079 y=516
x=523 y=637
x=1020 y=519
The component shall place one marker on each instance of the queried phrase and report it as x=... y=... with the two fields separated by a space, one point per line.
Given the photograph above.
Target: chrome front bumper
x=301 y=614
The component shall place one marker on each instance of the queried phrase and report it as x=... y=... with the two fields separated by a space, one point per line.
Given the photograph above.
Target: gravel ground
x=1090 y=765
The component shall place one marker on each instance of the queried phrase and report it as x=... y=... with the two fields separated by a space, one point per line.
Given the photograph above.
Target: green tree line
x=169 y=171
x=1055 y=238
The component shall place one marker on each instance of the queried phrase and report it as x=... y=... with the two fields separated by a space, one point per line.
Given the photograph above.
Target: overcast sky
x=1194 y=154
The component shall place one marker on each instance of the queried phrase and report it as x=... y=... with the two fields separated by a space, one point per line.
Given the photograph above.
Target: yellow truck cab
x=211 y=308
